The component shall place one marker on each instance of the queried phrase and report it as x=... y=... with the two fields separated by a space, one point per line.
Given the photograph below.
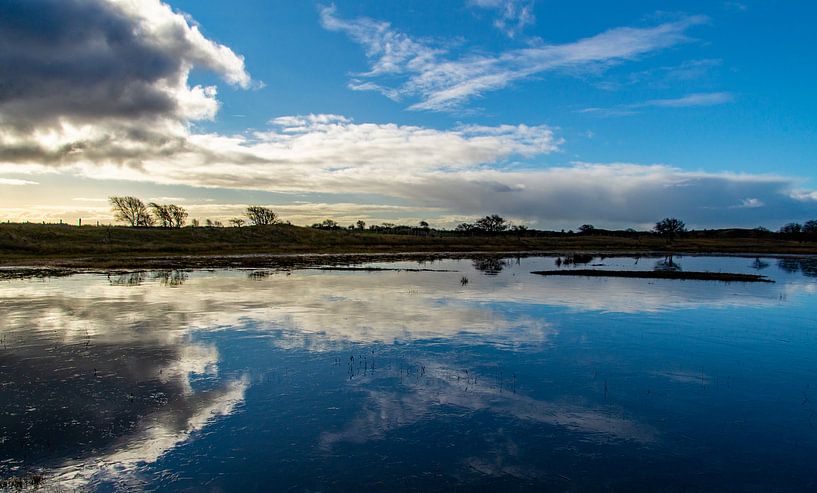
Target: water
x=238 y=380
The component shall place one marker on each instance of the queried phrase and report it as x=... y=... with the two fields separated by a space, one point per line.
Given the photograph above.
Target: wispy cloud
x=513 y=15
x=441 y=80
x=687 y=101
x=13 y=182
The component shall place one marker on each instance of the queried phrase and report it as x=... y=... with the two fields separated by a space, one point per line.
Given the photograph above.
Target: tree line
x=132 y=211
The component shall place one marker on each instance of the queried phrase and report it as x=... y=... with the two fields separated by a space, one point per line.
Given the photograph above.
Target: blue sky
x=551 y=113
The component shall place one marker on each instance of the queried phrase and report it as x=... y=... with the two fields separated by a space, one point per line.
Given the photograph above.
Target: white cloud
x=513 y=15
x=687 y=101
x=13 y=182
x=442 y=81
x=130 y=119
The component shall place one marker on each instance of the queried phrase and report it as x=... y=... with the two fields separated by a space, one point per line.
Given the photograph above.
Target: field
x=119 y=246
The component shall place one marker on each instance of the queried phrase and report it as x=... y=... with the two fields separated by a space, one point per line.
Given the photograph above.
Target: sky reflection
x=112 y=379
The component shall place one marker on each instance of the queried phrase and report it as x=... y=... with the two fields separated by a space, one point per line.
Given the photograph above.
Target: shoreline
x=56 y=267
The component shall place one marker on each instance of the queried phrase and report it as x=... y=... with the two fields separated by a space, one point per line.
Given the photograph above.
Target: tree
x=328 y=224
x=261 y=216
x=586 y=228
x=492 y=224
x=237 y=222
x=360 y=224
x=130 y=210
x=424 y=224
x=162 y=214
x=810 y=227
x=178 y=215
x=669 y=227
x=791 y=228
x=169 y=215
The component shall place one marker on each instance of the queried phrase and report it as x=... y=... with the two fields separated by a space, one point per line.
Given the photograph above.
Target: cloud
x=443 y=81
x=103 y=76
x=13 y=182
x=688 y=101
x=514 y=15
x=99 y=89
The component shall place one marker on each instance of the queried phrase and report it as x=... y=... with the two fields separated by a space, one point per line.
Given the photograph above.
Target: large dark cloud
x=107 y=78
x=79 y=58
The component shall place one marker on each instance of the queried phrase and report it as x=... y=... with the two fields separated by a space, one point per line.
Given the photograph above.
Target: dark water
x=311 y=380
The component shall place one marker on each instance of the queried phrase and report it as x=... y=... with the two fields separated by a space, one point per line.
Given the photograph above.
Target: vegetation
x=130 y=210
x=657 y=274
x=107 y=246
x=669 y=228
x=133 y=211
x=261 y=216
x=169 y=215
x=112 y=245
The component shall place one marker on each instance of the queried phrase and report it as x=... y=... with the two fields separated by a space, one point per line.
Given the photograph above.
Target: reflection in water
x=85 y=375
x=170 y=379
x=806 y=265
x=574 y=259
x=759 y=264
x=490 y=266
x=127 y=279
x=426 y=386
x=171 y=277
x=667 y=265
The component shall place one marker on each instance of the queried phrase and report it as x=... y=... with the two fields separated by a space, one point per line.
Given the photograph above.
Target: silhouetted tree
x=162 y=214
x=791 y=228
x=326 y=224
x=360 y=224
x=810 y=227
x=130 y=210
x=586 y=228
x=237 y=222
x=178 y=215
x=492 y=224
x=670 y=227
x=261 y=216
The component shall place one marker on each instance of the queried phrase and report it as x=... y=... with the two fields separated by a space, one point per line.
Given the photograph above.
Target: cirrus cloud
x=443 y=81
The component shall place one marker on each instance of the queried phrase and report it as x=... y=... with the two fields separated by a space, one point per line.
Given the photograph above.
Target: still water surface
x=304 y=380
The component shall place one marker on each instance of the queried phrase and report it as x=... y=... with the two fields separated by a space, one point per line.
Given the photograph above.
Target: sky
x=552 y=114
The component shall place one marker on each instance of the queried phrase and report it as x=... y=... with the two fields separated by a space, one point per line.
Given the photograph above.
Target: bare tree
x=169 y=215
x=492 y=224
x=670 y=227
x=791 y=228
x=237 y=222
x=178 y=215
x=162 y=214
x=130 y=210
x=261 y=216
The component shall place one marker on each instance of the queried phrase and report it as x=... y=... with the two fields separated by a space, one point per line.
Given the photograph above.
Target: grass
x=119 y=246
x=658 y=274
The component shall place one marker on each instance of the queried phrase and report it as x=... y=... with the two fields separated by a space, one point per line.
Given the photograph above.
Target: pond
x=432 y=376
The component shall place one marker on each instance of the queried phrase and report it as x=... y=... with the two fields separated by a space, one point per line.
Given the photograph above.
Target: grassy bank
x=90 y=246
x=657 y=274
